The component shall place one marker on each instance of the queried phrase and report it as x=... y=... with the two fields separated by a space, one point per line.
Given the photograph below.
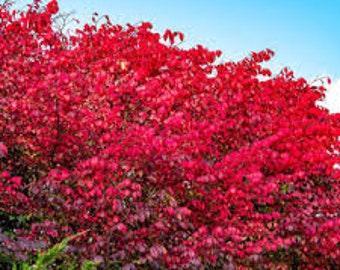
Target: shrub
x=168 y=158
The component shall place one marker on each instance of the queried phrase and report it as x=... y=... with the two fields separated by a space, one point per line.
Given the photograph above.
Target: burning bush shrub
x=167 y=158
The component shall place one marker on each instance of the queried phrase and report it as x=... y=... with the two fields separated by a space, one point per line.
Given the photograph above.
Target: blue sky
x=305 y=34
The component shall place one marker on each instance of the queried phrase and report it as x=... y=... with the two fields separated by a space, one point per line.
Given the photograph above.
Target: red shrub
x=167 y=158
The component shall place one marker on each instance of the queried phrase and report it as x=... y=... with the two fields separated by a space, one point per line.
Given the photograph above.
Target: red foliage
x=167 y=158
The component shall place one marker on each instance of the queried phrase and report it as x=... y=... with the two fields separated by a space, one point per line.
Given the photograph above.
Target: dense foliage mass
x=167 y=158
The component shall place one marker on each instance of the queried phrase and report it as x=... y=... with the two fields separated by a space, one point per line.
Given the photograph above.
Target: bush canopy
x=168 y=158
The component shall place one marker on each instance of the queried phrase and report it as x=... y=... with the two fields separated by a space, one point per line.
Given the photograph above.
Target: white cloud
x=332 y=99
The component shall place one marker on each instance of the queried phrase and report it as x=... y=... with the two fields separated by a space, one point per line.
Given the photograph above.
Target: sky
x=305 y=34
